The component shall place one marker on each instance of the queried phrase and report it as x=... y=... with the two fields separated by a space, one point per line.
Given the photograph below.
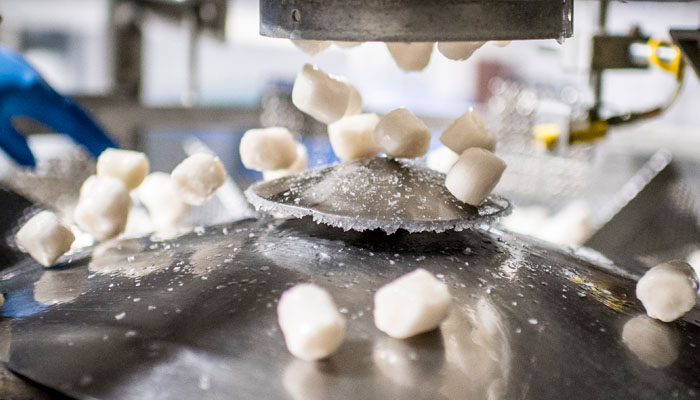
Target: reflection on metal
x=5 y=340
x=108 y=259
x=202 y=323
x=60 y=285
x=417 y=20
x=477 y=352
x=653 y=342
x=599 y=292
x=407 y=363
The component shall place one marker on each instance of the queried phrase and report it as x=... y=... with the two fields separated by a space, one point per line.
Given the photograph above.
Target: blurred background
x=156 y=73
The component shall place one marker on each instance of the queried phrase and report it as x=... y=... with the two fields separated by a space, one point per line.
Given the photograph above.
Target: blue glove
x=24 y=93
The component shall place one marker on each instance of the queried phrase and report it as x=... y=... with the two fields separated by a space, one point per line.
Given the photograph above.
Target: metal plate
x=416 y=20
x=689 y=43
x=195 y=318
x=374 y=193
x=635 y=228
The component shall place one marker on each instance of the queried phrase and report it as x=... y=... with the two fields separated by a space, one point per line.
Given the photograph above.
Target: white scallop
x=45 y=237
x=472 y=178
x=414 y=303
x=310 y=322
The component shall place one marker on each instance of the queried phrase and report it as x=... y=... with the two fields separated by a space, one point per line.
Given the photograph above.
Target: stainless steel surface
x=689 y=43
x=417 y=20
x=195 y=318
x=374 y=193
x=654 y=217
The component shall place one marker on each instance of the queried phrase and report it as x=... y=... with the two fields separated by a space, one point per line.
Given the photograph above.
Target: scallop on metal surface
x=374 y=193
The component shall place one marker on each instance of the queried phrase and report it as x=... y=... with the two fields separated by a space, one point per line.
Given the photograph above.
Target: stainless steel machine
x=416 y=20
x=195 y=316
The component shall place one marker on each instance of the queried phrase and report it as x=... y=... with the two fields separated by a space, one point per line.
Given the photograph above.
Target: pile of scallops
x=105 y=200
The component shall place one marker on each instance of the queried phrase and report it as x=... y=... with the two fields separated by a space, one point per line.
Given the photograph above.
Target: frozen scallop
x=103 y=207
x=323 y=96
x=458 y=51
x=128 y=166
x=311 y=47
x=310 y=322
x=472 y=178
x=411 y=56
x=45 y=238
x=268 y=149
x=467 y=131
x=441 y=159
x=401 y=134
x=197 y=177
x=668 y=290
x=414 y=303
x=354 y=102
x=351 y=137
x=160 y=197
x=299 y=165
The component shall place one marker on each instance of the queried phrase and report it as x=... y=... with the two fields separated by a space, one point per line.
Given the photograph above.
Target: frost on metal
x=374 y=193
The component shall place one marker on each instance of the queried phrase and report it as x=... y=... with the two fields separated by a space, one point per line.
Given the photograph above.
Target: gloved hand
x=24 y=93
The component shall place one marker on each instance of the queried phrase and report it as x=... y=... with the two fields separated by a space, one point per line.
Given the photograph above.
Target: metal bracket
x=416 y=20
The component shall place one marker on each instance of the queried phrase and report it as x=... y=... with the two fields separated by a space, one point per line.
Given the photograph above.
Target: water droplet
x=120 y=316
x=532 y=321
